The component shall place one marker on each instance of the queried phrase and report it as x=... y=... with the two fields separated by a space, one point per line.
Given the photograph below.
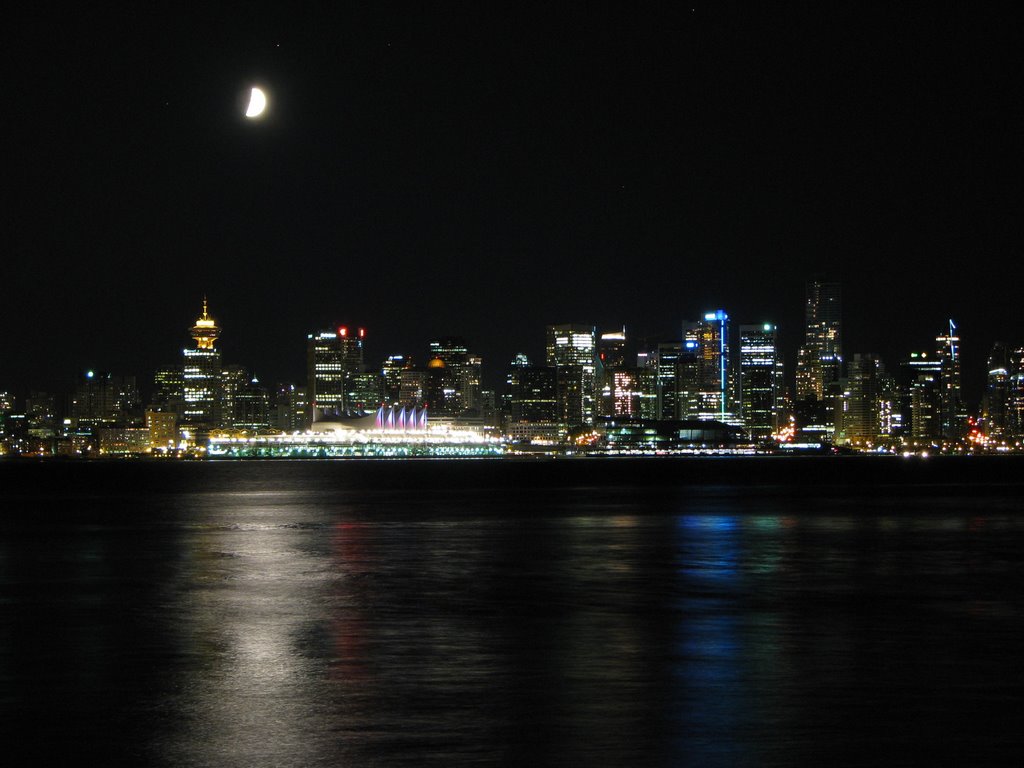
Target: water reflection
x=267 y=619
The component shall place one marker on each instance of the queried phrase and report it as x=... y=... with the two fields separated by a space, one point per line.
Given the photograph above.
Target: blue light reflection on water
x=264 y=618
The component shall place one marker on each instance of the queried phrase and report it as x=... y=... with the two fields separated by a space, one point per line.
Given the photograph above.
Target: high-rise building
x=1015 y=396
x=713 y=371
x=291 y=408
x=104 y=400
x=333 y=358
x=860 y=421
x=995 y=405
x=245 y=403
x=611 y=349
x=760 y=380
x=921 y=408
x=458 y=379
x=666 y=366
x=169 y=390
x=953 y=414
x=534 y=394
x=573 y=349
x=819 y=361
x=201 y=374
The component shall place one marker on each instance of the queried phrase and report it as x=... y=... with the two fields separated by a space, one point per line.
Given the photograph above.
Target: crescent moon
x=257 y=103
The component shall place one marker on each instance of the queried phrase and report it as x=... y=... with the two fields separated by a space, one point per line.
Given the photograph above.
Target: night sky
x=458 y=173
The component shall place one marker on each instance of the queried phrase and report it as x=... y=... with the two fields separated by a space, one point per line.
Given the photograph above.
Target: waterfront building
x=124 y=441
x=665 y=437
x=760 y=380
x=163 y=430
x=390 y=432
x=333 y=358
x=201 y=374
x=572 y=349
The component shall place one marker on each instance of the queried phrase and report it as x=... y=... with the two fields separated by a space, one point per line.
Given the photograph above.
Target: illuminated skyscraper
x=573 y=349
x=103 y=400
x=333 y=359
x=995 y=410
x=953 y=415
x=861 y=420
x=612 y=349
x=713 y=386
x=819 y=361
x=457 y=380
x=201 y=374
x=1015 y=396
x=921 y=408
x=760 y=380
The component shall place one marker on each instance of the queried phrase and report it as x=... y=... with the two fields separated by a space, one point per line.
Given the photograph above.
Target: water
x=693 y=612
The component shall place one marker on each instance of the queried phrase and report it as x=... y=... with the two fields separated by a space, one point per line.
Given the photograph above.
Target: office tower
x=291 y=408
x=391 y=372
x=633 y=393
x=1015 y=396
x=921 y=401
x=760 y=380
x=713 y=372
x=611 y=349
x=41 y=417
x=458 y=378
x=245 y=403
x=860 y=420
x=519 y=361
x=440 y=389
x=251 y=410
x=890 y=422
x=995 y=404
x=412 y=387
x=169 y=391
x=665 y=362
x=233 y=379
x=611 y=352
x=365 y=392
x=534 y=394
x=953 y=414
x=572 y=348
x=163 y=430
x=201 y=374
x=819 y=361
x=333 y=358
x=103 y=399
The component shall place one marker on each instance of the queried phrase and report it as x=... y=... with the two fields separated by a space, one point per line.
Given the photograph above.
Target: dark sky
x=459 y=173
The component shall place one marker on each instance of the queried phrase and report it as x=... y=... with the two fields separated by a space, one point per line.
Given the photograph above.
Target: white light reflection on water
x=285 y=614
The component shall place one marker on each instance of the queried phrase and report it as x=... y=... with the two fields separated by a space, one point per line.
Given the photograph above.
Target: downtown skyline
x=435 y=173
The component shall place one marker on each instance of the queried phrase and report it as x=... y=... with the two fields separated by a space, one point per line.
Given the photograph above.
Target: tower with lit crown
x=201 y=374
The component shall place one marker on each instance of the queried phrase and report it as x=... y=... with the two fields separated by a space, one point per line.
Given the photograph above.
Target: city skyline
x=374 y=358
x=426 y=175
